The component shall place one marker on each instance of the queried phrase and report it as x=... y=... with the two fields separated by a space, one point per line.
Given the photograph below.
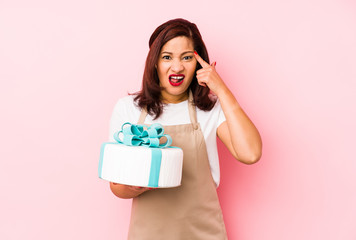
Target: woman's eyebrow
x=187 y=52
x=165 y=52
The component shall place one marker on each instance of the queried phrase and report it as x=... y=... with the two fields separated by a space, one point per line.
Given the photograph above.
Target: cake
x=139 y=159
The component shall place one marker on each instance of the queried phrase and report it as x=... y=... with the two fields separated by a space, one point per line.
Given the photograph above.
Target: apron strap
x=191 y=108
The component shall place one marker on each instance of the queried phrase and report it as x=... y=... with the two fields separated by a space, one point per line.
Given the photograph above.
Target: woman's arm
x=126 y=191
x=238 y=133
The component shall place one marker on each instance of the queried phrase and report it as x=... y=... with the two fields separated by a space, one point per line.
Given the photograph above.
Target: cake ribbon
x=142 y=135
x=148 y=136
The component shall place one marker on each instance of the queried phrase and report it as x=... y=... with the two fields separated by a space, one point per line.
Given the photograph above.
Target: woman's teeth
x=176 y=78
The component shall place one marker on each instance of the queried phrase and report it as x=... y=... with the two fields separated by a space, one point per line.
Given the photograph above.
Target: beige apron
x=190 y=211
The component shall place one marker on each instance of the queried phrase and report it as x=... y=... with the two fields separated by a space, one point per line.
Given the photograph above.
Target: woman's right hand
x=127 y=191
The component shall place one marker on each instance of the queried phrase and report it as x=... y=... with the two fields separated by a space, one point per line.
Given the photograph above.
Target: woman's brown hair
x=149 y=96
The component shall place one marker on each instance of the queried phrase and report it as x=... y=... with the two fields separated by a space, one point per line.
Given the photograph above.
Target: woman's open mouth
x=176 y=79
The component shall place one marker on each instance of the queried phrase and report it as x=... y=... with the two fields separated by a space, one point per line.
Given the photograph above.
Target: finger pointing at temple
x=207 y=75
x=200 y=60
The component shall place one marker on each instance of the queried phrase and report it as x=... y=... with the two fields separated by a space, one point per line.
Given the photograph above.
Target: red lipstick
x=176 y=79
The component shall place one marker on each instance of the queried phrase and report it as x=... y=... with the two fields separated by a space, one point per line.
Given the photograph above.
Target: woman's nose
x=177 y=66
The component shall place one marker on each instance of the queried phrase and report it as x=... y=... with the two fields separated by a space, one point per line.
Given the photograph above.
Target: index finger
x=200 y=60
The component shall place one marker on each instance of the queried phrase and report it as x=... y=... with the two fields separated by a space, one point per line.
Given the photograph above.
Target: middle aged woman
x=175 y=92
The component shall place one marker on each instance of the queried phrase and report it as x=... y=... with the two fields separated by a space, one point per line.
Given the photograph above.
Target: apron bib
x=191 y=211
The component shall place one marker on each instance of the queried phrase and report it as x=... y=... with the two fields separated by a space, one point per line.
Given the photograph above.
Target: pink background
x=291 y=65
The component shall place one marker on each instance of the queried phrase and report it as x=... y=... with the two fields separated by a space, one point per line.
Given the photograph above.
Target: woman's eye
x=187 y=57
x=166 y=57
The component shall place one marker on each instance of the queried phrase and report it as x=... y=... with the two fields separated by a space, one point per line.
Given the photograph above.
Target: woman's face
x=176 y=68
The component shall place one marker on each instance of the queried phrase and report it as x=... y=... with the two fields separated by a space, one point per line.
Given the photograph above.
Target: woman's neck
x=174 y=99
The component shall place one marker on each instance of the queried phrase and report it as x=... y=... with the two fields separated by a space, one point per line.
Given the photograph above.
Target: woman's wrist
x=222 y=91
x=227 y=98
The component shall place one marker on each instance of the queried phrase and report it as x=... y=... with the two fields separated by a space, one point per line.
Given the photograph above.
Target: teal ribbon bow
x=148 y=136
x=142 y=135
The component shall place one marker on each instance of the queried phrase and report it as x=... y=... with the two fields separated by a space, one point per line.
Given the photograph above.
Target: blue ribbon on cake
x=148 y=136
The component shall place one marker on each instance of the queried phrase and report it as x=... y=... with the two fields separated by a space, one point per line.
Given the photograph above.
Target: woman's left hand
x=208 y=77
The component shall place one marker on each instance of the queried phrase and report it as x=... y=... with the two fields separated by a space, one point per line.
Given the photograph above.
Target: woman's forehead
x=178 y=45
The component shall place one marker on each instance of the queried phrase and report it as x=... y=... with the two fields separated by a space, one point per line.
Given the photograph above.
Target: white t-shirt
x=125 y=110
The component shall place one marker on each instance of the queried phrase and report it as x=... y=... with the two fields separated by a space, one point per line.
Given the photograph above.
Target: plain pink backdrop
x=291 y=65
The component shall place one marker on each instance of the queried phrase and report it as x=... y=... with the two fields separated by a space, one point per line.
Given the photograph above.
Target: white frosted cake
x=134 y=165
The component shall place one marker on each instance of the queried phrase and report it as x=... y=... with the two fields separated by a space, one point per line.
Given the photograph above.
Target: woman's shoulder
x=213 y=116
x=125 y=110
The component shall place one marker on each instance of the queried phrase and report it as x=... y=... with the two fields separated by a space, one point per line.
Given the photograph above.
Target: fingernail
x=195 y=52
x=150 y=188
x=214 y=64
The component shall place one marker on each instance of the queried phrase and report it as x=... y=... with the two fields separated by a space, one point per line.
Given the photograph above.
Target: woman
x=175 y=92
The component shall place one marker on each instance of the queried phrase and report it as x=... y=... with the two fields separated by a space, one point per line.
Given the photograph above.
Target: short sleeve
x=124 y=111
x=117 y=119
